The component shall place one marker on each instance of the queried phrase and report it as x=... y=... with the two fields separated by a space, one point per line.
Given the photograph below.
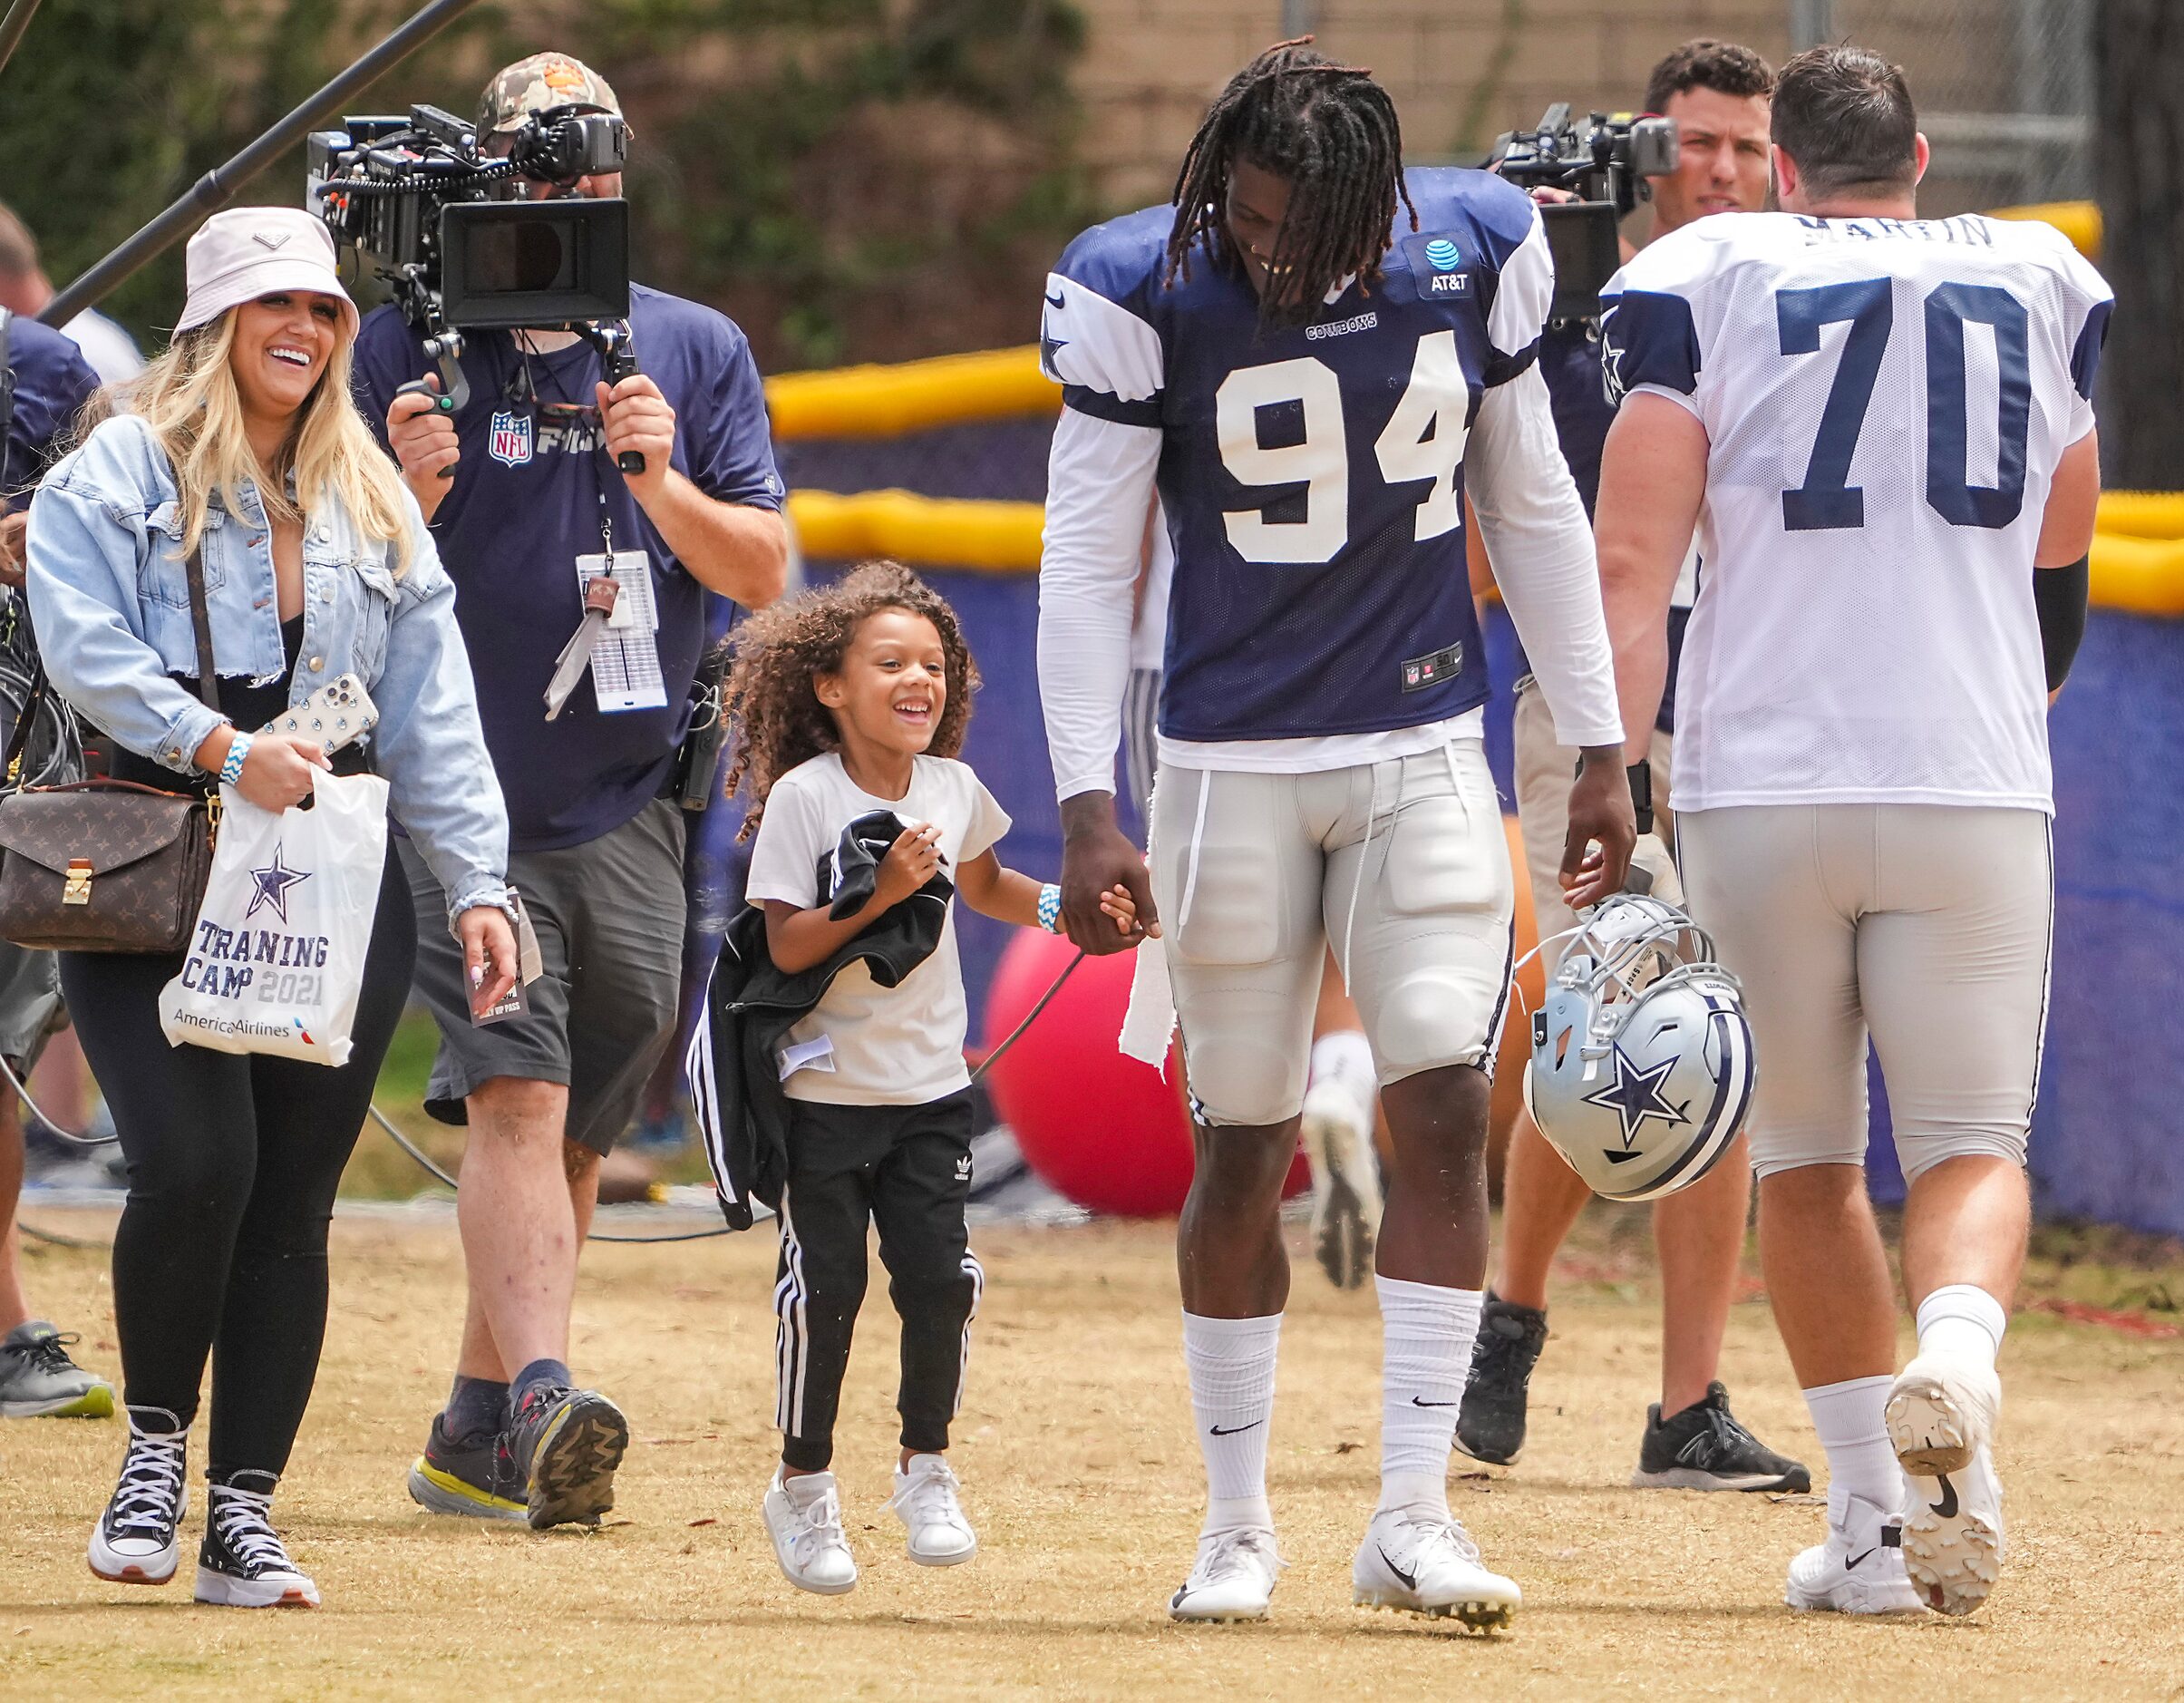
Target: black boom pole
x=218 y=187
x=12 y=27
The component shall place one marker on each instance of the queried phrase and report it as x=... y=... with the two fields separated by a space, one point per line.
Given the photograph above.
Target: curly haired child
x=850 y=699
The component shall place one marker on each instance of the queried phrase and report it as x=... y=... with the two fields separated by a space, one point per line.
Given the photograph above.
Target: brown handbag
x=108 y=866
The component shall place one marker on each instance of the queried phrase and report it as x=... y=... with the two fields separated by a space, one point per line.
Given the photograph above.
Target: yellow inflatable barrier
x=2078 y=221
x=886 y=402
x=930 y=531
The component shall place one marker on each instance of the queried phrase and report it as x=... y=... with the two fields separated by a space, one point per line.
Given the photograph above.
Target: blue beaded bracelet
x=1050 y=908
x=232 y=767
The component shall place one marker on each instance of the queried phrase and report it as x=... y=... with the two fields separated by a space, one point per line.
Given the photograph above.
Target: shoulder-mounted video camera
x=1605 y=161
x=420 y=204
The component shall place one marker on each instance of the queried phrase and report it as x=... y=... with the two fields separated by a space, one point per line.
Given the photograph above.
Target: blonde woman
x=240 y=445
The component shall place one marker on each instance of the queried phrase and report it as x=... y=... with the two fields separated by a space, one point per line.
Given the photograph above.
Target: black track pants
x=233 y=1161
x=907 y=1169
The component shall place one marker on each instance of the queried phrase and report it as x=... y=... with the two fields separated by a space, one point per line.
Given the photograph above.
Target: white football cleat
x=808 y=1538
x=926 y=1502
x=1940 y=1413
x=1423 y=1562
x=1345 y=1182
x=1232 y=1578
x=1952 y=1534
x=1859 y=1570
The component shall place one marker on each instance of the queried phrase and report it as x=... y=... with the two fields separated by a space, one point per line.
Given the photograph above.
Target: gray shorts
x=1401 y=865
x=30 y=1005
x=609 y=916
x=1928 y=925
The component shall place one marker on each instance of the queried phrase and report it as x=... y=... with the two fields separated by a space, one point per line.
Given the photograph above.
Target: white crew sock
x=1231 y=1363
x=1345 y=1057
x=1849 y=1418
x=1427 y=1333
x=1961 y=1321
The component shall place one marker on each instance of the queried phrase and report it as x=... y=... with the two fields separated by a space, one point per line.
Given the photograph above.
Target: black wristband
x=1640 y=775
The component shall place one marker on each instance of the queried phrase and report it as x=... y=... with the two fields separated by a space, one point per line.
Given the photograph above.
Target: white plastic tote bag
x=277 y=962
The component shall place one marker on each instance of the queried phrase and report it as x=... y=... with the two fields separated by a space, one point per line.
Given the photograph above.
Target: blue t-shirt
x=52 y=381
x=1311 y=475
x=525 y=503
x=1576 y=386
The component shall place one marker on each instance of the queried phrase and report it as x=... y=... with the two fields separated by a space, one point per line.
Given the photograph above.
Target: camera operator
x=47 y=381
x=517 y=485
x=1718 y=93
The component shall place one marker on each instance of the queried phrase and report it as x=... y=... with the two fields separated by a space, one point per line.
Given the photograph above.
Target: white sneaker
x=1345 y=1183
x=1952 y=1534
x=1423 y=1562
x=803 y=1517
x=1232 y=1578
x=1940 y=1413
x=926 y=1502
x=1859 y=1570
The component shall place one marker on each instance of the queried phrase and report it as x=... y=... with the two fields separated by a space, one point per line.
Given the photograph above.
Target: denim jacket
x=109 y=601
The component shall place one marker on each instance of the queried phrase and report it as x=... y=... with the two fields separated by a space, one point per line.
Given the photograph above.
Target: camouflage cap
x=536 y=84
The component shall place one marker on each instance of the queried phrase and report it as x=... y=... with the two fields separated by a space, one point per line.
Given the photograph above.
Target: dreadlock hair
x=1332 y=131
x=772 y=707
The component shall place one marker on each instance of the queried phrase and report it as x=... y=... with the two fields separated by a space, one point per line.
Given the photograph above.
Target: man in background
x=25 y=290
x=1718 y=93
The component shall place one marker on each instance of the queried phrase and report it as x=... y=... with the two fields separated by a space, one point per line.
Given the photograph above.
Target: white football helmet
x=1642 y=1066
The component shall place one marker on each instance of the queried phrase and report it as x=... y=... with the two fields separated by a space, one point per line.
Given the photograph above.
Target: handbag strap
x=208 y=683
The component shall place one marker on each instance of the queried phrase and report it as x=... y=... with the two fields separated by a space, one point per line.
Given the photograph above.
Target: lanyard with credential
x=599 y=596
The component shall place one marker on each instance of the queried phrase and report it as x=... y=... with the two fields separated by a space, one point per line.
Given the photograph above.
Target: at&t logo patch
x=509 y=439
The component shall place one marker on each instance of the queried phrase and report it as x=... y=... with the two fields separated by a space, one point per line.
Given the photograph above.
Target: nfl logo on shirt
x=509 y=442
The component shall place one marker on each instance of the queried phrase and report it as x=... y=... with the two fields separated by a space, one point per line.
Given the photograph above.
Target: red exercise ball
x=1107 y=1132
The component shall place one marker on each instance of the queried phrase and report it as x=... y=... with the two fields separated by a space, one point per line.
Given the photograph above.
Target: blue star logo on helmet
x=1635 y=1095
x=1445 y=256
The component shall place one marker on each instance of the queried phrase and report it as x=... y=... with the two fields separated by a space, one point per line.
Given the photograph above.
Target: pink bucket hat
x=246 y=252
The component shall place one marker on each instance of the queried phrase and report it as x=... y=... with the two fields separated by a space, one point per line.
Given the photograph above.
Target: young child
x=847 y=700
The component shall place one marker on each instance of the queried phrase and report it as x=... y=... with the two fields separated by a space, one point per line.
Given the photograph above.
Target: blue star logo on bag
x=273 y=883
x=508 y=441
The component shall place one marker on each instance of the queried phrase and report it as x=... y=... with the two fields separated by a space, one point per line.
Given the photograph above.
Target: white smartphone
x=336 y=714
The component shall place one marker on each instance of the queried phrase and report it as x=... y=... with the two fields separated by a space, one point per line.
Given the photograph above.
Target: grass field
x=1082 y=1474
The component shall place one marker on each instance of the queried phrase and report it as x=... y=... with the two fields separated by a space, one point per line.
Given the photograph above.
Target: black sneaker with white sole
x=1706 y=1447
x=1489 y=1427
x=242 y=1563
x=566 y=1444
x=135 y=1540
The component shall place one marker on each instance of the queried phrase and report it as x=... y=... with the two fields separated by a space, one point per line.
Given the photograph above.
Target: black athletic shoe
x=243 y=1563
x=1491 y=1425
x=565 y=1445
x=1705 y=1448
x=475 y=1477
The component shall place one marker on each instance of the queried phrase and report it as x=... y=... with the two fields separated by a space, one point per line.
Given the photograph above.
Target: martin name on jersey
x=1886 y=403
x=1311 y=476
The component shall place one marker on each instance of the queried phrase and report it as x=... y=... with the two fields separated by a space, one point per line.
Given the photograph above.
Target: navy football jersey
x=1312 y=476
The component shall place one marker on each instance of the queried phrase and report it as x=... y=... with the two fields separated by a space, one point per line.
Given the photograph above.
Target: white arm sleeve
x=1533 y=525
x=1098 y=489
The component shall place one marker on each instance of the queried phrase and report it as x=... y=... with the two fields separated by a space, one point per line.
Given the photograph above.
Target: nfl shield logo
x=509 y=442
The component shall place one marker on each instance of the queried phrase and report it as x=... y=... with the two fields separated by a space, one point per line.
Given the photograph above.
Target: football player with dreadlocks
x=1311 y=354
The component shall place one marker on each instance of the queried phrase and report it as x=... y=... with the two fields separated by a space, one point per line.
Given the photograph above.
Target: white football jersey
x=1886 y=403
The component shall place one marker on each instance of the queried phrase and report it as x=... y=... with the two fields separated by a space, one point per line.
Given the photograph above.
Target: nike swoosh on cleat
x=1233 y=1430
x=1416 y=1402
x=1410 y=1580
x=1860 y=1557
x=1946 y=1506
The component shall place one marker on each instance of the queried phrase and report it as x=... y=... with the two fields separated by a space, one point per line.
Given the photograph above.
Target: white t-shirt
x=1886 y=401
x=865 y=1045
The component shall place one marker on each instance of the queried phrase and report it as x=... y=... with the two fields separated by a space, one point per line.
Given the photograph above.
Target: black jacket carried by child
x=733 y=1061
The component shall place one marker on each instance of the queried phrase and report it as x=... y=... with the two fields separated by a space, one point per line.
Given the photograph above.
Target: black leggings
x=233 y=1162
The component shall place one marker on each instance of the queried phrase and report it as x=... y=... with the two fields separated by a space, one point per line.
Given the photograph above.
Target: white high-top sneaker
x=1421 y=1561
x=1858 y=1570
x=1232 y=1578
x=1345 y=1182
x=925 y=1501
x=803 y=1517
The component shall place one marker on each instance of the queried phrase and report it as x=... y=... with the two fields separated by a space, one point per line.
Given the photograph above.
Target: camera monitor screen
x=506 y=263
x=1581 y=236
